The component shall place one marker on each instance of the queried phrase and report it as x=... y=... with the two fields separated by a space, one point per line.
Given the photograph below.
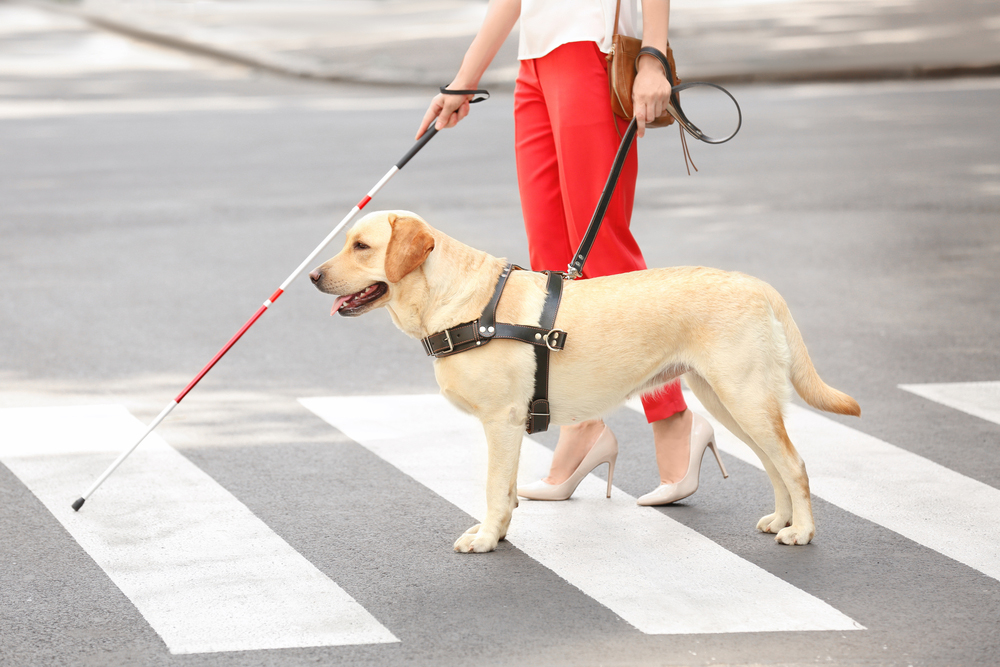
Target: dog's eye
x=358 y=245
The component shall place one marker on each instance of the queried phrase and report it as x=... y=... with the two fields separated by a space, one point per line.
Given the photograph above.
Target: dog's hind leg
x=782 y=515
x=504 y=442
x=773 y=438
x=758 y=410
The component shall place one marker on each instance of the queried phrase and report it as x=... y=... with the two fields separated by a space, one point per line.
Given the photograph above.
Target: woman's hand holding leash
x=650 y=92
x=652 y=84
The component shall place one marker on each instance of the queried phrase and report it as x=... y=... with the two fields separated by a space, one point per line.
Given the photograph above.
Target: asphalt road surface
x=149 y=202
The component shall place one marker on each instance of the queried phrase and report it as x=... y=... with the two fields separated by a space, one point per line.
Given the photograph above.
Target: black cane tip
x=77 y=504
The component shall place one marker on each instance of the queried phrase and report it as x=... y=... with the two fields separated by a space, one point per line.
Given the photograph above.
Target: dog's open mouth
x=354 y=304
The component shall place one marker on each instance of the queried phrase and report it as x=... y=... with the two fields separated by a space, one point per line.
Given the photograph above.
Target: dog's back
x=695 y=317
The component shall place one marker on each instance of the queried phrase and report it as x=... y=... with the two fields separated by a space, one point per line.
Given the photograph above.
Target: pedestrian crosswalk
x=209 y=576
x=206 y=573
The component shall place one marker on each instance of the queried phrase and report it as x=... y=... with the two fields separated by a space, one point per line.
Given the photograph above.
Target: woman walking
x=566 y=137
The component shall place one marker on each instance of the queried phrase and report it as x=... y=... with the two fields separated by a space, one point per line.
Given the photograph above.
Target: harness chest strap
x=485 y=328
x=538 y=412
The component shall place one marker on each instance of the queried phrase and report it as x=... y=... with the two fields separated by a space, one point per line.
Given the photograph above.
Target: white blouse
x=546 y=24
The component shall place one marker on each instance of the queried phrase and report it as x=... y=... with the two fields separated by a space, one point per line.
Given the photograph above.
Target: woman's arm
x=449 y=109
x=651 y=90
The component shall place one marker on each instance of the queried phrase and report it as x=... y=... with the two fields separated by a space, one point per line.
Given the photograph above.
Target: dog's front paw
x=473 y=541
x=795 y=535
x=773 y=523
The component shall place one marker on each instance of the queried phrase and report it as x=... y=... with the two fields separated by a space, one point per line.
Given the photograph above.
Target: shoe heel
x=604 y=450
x=611 y=473
x=725 y=475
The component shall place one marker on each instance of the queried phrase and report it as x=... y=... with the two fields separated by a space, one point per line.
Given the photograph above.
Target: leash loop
x=674 y=106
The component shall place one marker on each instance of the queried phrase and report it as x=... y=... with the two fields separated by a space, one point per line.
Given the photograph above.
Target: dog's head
x=381 y=250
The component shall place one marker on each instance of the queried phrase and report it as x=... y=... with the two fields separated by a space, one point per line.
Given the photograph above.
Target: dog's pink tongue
x=338 y=303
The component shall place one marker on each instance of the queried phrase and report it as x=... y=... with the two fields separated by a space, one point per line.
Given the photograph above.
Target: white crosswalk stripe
x=979 y=399
x=913 y=496
x=206 y=573
x=655 y=573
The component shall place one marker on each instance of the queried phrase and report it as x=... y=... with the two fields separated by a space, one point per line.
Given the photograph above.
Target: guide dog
x=729 y=335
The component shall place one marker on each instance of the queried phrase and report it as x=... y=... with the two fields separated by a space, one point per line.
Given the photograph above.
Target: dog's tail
x=804 y=377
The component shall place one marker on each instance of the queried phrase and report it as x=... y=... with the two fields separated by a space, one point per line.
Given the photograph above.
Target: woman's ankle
x=672 y=438
x=575 y=441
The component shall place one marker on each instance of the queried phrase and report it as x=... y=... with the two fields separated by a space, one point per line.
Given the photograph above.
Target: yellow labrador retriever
x=730 y=335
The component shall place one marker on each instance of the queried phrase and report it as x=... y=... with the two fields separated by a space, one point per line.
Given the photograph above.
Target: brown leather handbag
x=621 y=74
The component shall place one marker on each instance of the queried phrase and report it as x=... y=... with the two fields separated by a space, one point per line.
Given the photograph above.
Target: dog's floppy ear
x=409 y=245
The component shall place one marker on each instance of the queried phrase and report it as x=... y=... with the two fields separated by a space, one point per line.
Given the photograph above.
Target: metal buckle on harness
x=549 y=342
x=451 y=345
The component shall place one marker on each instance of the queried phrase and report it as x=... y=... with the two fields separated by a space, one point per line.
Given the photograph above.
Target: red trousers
x=565 y=143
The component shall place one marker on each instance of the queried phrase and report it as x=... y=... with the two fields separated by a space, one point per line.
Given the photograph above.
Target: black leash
x=575 y=269
x=576 y=266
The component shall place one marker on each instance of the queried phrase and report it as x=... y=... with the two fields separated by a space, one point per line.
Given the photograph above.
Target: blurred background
x=421 y=41
x=165 y=164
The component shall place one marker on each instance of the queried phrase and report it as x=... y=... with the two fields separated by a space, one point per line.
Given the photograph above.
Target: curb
x=303 y=68
x=259 y=60
x=861 y=75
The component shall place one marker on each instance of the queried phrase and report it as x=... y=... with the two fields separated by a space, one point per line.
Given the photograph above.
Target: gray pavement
x=149 y=201
x=422 y=42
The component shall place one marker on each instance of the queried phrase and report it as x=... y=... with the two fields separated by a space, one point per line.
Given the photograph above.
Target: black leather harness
x=485 y=328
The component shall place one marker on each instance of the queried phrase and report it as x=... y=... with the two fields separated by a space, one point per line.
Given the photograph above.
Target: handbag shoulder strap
x=618 y=9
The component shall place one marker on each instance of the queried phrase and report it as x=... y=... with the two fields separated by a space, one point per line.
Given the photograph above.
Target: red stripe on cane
x=364 y=202
x=221 y=353
x=232 y=341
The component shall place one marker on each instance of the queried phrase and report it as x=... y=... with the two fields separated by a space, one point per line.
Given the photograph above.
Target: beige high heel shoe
x=702 y=436
x=605 y=450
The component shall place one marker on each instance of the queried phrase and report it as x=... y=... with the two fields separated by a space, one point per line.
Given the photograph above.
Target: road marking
x=913 y=496
x=979 y=399
x=655 y=573
x=205 y=572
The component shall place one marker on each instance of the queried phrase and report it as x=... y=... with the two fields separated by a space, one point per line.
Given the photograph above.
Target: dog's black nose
x=316 y=276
